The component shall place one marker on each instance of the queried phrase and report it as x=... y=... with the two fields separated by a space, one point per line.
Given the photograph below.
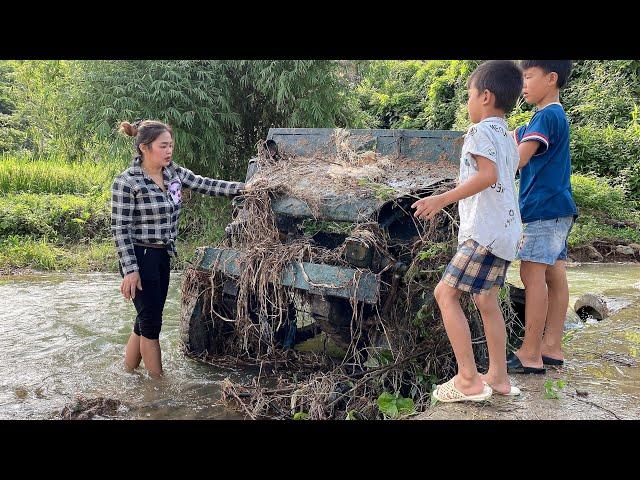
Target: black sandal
x=552 y=361
x=514 y=365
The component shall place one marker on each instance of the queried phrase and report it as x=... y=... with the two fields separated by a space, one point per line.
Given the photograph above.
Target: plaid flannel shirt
x=142 y=213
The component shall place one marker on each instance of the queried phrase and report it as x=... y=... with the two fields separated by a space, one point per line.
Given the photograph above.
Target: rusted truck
x=328 y=292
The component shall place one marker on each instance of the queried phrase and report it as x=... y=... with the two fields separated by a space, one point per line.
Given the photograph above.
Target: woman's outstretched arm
x=208 y=186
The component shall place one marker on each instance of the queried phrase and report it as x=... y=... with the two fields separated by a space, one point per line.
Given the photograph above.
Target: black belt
x=150 y=245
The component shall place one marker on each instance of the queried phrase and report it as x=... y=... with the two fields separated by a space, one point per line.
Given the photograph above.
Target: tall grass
x=25 y=173
x=55 y=215
x=65 y=218
x=593 y=193
x=597 y=198
x=40 y=254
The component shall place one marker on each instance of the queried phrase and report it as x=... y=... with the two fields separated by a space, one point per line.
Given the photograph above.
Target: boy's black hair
x=503 y=78
x=561 y=67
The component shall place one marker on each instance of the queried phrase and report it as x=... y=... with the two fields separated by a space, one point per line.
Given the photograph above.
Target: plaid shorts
x=475 y=269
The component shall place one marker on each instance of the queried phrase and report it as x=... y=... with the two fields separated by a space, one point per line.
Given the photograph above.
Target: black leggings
x=154 y=268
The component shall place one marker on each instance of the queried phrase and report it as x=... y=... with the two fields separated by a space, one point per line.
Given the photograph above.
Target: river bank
x=63 y=337
x=55 y=216
x=603 y=252
x=601 y=376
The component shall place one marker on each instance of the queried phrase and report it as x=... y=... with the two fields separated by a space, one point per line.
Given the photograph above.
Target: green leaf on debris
x=351 y=415
x=382 y=357
x=552 y=388
x=395 y=405
x=433 y=250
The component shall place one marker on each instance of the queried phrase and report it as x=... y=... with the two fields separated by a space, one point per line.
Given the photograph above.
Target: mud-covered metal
x=314 y=278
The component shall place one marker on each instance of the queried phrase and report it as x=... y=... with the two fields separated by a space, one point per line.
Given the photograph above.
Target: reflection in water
x=64 y=335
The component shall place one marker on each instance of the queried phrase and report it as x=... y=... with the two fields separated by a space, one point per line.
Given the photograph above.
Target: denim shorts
x=545 y=241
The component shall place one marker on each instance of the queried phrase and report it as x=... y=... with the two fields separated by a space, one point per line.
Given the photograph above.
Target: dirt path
x=601 y=379
x=577 y=401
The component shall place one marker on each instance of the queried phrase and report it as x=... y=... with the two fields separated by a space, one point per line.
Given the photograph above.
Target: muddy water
x=601 y=374
x=64 y=335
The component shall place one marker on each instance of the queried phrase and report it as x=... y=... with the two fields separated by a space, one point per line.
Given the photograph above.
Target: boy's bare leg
x=467 y=381
x=558 y=293
x=496 y=335
x=533 y=277
x=150 y=350
x=132 y=355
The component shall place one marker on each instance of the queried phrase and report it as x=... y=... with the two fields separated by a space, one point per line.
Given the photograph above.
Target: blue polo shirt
x=545 y=182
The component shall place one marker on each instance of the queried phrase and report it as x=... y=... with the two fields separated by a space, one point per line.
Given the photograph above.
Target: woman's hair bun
x=128 y=129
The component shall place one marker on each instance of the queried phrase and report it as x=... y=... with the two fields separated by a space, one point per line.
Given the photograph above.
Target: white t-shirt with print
x=491 y=217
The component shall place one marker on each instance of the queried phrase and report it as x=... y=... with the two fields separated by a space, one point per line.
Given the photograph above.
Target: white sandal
x=514 y=392
x=448 y=393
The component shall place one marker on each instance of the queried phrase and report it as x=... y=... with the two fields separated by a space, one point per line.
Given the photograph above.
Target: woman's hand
x=246 y=188
x=129 y=284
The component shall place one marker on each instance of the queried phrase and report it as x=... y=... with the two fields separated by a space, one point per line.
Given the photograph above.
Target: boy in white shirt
x=490 y=229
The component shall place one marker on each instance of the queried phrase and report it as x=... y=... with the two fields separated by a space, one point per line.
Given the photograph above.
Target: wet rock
x=87 y=408
x=620 y=358
x=21 y=392
x=593 y=254
x=625 y=250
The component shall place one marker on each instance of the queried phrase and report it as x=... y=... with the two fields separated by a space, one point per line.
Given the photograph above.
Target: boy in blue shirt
x=548 y=212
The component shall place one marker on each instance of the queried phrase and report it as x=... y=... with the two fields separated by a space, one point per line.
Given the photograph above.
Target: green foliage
x=13 y=134
x=597 y=200
x=218 y=109
x=7 y=104
x=45 y=94
x=301 y=416
x=425 y=313
x=53 y=174
x=433 y=250
x=25 y=252
x=394 y=405
x=595 y=193
x=57 y=217
x=40 y=254
x=311 y=226
x=602 y=93
x=203 y=217
x=630 y=177
x=352 y=415
x=589 y=228
x=380 y=190
x=414 y=94
x=520 y=115
x=381 y=357
x=553 y=388
x=608 y=152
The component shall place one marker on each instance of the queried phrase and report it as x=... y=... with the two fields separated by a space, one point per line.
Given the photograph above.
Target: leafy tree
x=218 y=109
x=12 y=125
x=602 y=93
x=43 y=93
x=415 y=94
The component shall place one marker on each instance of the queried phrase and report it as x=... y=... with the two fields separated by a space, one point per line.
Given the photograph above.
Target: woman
x=145 y=207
